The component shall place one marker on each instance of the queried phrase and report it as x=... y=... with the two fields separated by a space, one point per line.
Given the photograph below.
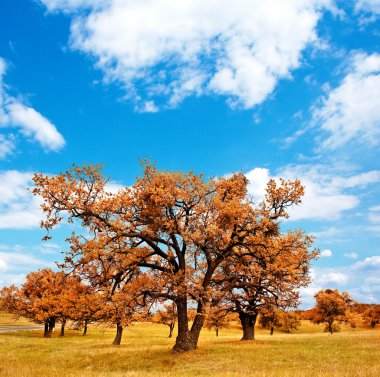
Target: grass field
x=145 y=351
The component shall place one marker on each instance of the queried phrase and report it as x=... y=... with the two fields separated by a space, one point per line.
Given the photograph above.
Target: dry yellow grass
x=145 y=351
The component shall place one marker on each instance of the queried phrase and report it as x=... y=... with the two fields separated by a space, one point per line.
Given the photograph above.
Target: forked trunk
x=119 y=333
x=248 y=322
x=197 y=327
x=187 y=340
x=182 y=343
x=49 y=327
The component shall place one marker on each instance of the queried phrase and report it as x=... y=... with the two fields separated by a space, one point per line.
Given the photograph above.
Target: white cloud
x=368 y=5
x=351 y=255
x=325 y=189
x=7 y=146
x=326 y=253
x=169 y=49
x=258 y=179
x=19 y=209
x=369 y=264
x=71 y=5
x=334 y=277
x=15 y=261
x=27 y=120
x=351 y=111
x=33 y=124
x=375 y=208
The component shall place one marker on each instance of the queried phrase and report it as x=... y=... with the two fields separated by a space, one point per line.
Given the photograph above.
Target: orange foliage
x=183 y=231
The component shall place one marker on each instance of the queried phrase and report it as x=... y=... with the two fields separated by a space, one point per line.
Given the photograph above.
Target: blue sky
x=275 y=88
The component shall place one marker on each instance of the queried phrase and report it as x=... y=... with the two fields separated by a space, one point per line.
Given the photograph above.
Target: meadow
x=146 y=351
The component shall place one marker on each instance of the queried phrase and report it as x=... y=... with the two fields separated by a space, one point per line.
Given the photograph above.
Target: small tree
x=217 y=318
x=270 y=319
x=290 y=321
x=167 y=316
x=371 y=315
x=331 y=308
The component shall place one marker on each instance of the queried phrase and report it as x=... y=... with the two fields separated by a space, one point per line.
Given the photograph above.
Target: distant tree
x=271 y=279
x=290 y=321
x=43 y=298
x=371 y=316
x=217 y=317
x=167 y=316
x=270 y=319
x=85 y=307
x=331 y=308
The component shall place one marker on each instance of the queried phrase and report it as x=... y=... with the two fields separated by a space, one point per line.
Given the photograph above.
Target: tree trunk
x=46 y=330
x=330 y=323
x=248 y=322
x=85 y=328
x=51 y=326
x=271 y=330
x=171 y=327
x=217 y=331
x=119 y=333
x=182 y=343
x=197 y=327
x=63 y=328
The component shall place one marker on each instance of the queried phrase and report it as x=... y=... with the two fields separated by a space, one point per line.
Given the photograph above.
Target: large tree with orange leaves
x=267 y=274
x=179 y=227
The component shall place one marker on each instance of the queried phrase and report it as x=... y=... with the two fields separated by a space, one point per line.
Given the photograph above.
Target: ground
x=145 y=351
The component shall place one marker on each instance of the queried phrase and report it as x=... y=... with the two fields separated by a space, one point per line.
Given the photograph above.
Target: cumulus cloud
x=29 y=122
x=19 y=209
x=164 y=50
x=33 y=124
x=351 y=111
x=325 y=189
x=334 y=277
x=326 y=253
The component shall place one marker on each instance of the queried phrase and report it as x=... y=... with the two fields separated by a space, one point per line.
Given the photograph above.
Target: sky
x=286 y=88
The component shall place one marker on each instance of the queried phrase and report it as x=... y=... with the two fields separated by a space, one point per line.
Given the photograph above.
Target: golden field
x=146 y=351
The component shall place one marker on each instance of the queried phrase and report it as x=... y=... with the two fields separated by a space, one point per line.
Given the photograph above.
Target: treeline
x=334 y=308
x=52 y=298
x=172 y=238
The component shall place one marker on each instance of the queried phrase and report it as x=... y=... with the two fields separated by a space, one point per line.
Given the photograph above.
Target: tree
x=268 y=274
x=177 y=226
x=217 y=318
x=371 y=315
x=42 y=298
x=270 y=319
x=290 y=321
x=124 y=304
x=331 y=308
x=167 y=316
